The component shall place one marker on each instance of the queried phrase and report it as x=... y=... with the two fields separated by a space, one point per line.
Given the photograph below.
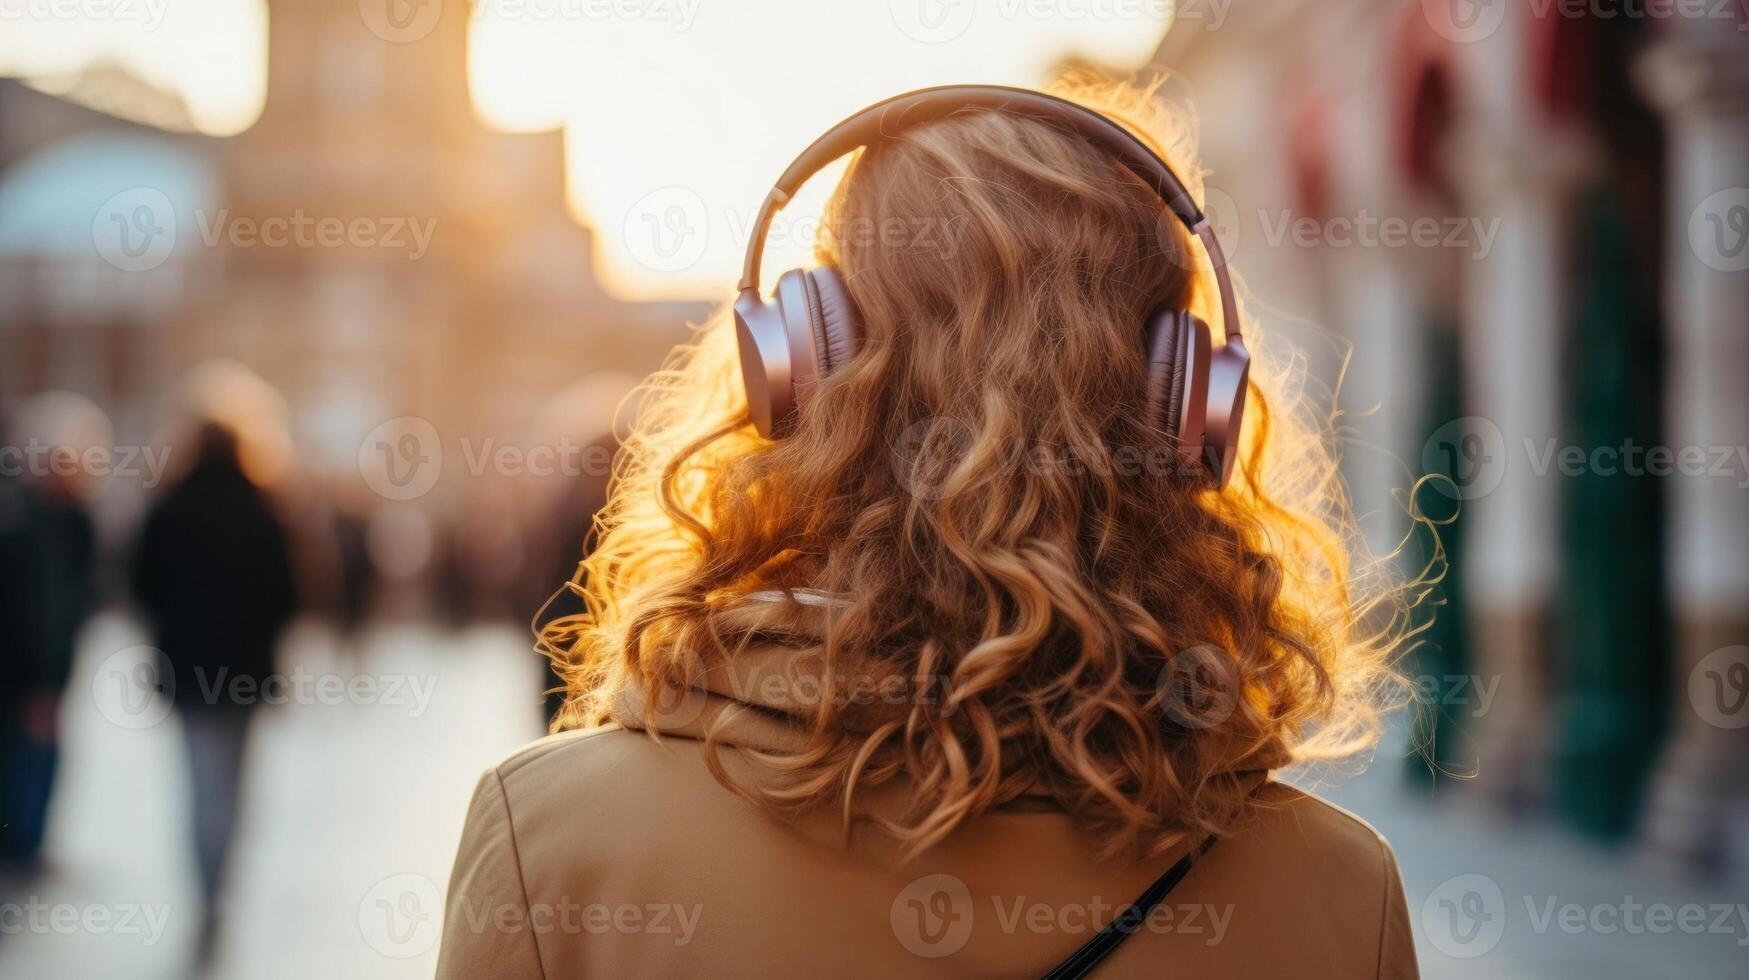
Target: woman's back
x=607 y=853
x=955 y=619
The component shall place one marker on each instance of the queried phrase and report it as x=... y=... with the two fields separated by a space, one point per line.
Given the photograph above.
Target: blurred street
x=350 y=805
x=1559 y=906
x=339 y=797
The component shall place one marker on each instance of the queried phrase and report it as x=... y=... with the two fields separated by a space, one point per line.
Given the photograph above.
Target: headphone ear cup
x=1165 y=384
x=1177 y=385
x=820 y=324
x=836 y=325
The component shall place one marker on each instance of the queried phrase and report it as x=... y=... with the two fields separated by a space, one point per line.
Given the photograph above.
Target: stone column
x=1698 y=76
x=1517 y=170
x=1511 y=314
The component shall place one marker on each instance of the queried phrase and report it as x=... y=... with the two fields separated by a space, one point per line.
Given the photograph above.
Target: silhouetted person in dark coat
x=50 y=557
x=23 y=625
x=214 y=575
x=47 y=566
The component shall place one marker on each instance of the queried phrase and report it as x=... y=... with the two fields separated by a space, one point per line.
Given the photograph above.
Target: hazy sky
x=678 y=113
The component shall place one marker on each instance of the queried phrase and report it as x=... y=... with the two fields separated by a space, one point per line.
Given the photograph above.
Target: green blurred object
x=1444 y=748
x=1613 y=665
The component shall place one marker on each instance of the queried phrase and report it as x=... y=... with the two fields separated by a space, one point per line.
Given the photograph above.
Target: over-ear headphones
x=791 y=343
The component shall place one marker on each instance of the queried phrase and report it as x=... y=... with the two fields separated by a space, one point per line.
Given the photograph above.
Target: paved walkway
x=339 y=799
x=1492 y=899
x=352 y=809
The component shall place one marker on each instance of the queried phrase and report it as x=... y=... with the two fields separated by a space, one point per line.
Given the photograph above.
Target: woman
x=946 y=676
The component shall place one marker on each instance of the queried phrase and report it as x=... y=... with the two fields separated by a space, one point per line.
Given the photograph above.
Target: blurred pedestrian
x=21 y=622
x=48 y=554
x=214 y=575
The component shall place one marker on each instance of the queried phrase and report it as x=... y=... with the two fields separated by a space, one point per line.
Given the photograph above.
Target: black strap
x=1082 y=961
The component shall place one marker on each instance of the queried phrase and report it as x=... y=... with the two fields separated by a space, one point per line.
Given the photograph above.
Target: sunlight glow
x=674 y=131
x=211 y=53
x=678 y=114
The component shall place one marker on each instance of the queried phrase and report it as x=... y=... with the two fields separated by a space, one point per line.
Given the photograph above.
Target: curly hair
x=980 y=494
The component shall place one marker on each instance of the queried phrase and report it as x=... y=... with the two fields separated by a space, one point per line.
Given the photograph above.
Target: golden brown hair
x=1084 y=619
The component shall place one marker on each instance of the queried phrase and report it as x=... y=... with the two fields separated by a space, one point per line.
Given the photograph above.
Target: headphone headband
x=888 y=118
x=1195 y=391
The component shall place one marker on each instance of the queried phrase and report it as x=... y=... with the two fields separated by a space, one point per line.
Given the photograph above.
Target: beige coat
x=608 y=853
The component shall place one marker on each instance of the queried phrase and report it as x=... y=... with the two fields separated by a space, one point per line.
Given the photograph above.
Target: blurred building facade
x=368 y=247
x=1559 y=168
